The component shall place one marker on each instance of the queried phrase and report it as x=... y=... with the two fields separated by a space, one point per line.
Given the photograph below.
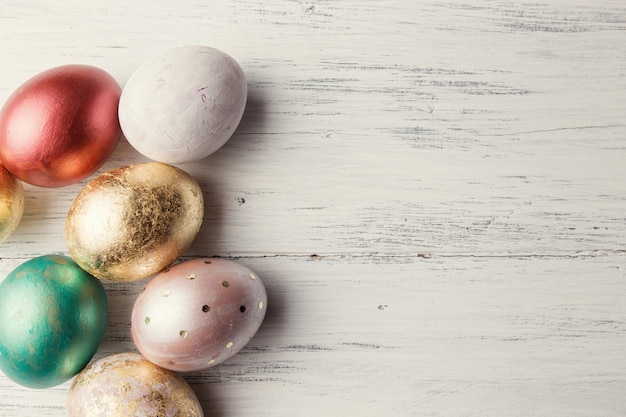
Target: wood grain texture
x=433 y=193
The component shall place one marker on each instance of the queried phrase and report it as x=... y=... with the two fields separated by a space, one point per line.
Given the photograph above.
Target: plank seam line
x=426 y=255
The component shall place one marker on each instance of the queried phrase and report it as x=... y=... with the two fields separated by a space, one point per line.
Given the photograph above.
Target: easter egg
x=131 y=222
x=52 y=320
x=183 y=104
x=11 y=203
x=198 y=313
x=126 y=384
x=60 y=126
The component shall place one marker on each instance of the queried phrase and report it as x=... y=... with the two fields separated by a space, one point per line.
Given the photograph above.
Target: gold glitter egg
x=132 y=222
x=125 y=384
x=11 y=203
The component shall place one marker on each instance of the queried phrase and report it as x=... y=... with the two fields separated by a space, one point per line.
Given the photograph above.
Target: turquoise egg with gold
x=52 y=320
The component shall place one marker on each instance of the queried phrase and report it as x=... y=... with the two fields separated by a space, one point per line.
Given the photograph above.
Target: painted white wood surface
x=433 y=193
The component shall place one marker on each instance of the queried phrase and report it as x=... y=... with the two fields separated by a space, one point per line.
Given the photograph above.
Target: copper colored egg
x=125 y=384
x=132 y=222
x=60 y=126
x=11 y=203
x=198 y=313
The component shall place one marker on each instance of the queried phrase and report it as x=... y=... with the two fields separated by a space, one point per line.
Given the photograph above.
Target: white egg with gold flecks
x=126 y=384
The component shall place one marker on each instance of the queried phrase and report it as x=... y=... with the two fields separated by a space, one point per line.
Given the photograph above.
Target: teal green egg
x=52 y=320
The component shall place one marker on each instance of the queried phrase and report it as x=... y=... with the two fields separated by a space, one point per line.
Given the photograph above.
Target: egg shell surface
x=60 y=126
x=134 y=221
x=183 y=104
x=198 y=313
x=125 y=384
x=12 y=200
x=52 y=320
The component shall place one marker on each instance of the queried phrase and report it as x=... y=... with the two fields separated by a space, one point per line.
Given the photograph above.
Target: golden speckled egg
x=132 y=222
x=126 y=384
x=11 y=203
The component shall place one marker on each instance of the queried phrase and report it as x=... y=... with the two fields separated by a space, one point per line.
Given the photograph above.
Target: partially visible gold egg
x=126 y=384
x=11 y=203
x=132 y=222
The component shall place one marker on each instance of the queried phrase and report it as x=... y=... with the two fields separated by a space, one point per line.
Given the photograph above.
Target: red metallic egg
x=60 y=126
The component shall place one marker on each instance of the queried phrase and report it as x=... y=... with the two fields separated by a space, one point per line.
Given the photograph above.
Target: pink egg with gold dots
x=198 y=313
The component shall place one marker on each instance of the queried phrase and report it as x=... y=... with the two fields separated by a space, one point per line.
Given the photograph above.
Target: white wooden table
x=433 y=192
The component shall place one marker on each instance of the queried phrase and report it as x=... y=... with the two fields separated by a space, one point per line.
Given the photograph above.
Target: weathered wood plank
x=433 y=192
x=442 y=336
